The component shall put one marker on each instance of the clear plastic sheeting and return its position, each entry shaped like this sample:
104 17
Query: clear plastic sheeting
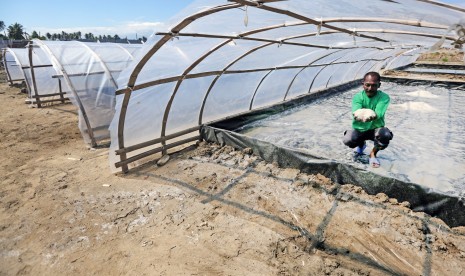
233 57
12 64
39 75
87 73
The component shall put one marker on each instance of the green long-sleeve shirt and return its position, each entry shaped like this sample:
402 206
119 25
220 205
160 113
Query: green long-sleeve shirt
378 103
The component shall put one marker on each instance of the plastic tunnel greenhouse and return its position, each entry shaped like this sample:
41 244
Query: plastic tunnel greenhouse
219 63
12 59
84 73
218 59
41 86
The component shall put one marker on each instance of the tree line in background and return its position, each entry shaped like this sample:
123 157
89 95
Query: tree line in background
16 31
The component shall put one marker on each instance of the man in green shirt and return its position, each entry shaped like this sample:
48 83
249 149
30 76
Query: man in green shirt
371 128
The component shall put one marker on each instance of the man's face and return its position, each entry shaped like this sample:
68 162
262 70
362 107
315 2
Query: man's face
370 85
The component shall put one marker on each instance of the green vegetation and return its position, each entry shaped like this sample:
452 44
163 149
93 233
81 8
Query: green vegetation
16 31
2 26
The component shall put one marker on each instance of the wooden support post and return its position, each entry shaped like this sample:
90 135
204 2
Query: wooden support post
34 83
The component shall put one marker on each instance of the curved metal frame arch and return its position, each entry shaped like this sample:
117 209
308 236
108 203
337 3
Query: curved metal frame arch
167 109
292 82
282 41
184 23
104 66
195 63
401 51
143 61
405 52
258 86
318 73
73 90
353 64
207 93
356 73
33 76
178 84
175 31
175 78
126 50
105 69
5 64
222 72
17 60
182 77
239 58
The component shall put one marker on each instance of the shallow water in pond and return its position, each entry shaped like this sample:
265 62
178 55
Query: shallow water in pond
428 125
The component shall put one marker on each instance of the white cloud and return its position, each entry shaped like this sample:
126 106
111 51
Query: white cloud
127 29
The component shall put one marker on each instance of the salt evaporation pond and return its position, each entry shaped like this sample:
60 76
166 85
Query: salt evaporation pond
428 125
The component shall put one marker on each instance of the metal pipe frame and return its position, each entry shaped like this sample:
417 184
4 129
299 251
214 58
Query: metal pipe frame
105 69
231 38
176 31
16 61
353 64
6 66
133 77
292 81
34 83
73 91
294 78
38 97
104 66
163 139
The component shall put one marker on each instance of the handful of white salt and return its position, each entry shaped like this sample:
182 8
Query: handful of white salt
364 115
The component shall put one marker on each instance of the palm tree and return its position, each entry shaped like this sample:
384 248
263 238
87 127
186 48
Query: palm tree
89 36
15 31
35 35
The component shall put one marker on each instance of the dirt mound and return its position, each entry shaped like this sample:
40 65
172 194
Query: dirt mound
443 56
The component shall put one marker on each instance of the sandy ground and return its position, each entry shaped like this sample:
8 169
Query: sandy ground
425 76
443 56
210 210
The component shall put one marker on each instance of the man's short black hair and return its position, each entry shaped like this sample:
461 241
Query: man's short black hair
373 75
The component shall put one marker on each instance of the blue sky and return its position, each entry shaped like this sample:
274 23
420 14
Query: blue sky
122 17
127 18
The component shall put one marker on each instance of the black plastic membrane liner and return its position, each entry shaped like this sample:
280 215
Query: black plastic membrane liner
424 164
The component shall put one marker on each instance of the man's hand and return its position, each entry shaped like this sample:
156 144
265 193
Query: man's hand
364 115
